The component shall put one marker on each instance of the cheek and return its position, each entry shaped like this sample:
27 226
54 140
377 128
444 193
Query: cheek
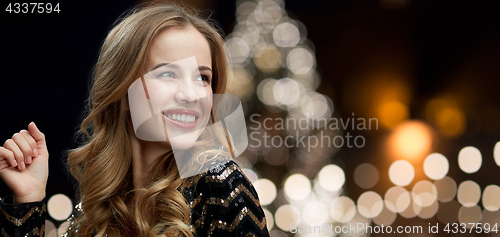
159 94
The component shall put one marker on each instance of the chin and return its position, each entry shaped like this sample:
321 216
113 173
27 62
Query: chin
183 142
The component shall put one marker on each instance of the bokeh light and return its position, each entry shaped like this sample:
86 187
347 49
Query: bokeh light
469 159
286 91
269 218
238 49
265 91
429 211
411 140
447 189
366 176
491 198
436 166
277 155
397 199
424 193
392 113
316 105
450 121
468 193
63 228
448 212
358 219
370 204
412 210
297 187
244 83
386 217
490 217
267 59
50 229
401 173
496 153
331 178
286 215
300 60
286 35
470 214
277 233
313 213
59 207
342 209
266 191
251 175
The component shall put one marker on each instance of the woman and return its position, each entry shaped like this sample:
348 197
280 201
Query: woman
129 181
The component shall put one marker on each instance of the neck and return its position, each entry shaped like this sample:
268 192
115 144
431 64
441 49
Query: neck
145 155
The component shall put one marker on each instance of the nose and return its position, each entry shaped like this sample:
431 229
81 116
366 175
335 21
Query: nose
186 92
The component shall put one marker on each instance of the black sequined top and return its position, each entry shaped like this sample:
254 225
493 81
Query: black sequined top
223 203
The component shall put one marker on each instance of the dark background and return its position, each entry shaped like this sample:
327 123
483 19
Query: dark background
446 47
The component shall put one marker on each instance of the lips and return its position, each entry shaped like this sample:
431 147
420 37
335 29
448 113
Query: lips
184 118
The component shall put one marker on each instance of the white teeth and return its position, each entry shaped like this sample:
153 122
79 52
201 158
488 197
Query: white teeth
182 118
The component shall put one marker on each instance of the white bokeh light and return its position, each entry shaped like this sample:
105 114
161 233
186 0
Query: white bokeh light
342 209
286 215
286 91
286 35
269 218
401 173
300 60
429 211
266 191
424 193
370 204
469 159
331 178
316 105
468 193
436 166
251 175
238 49
314 213
491 198
397 199
496 153
297 187
60 207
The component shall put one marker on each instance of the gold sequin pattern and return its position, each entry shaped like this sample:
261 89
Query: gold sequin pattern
36 232
244 212
20 221
232 196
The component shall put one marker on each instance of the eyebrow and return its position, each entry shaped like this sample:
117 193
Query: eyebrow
176 66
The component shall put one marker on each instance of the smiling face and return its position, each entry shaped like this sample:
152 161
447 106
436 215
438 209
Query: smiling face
171 101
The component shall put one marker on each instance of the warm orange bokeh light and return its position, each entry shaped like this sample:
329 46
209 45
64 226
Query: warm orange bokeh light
450 121
392 113
411 140
446 116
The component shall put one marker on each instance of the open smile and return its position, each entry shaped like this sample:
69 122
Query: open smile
183 118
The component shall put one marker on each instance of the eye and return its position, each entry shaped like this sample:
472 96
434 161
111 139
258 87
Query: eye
203 78
169 74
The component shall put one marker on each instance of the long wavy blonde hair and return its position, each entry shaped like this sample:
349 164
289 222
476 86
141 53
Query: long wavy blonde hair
102 165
